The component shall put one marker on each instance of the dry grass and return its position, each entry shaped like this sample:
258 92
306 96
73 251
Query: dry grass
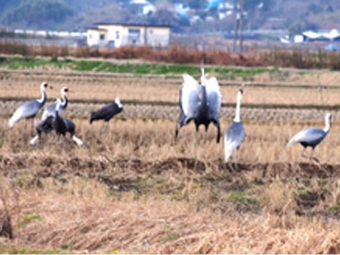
150 225
136 191
154 139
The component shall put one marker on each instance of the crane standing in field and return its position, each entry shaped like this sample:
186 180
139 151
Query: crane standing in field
203 110
311 137
29 109
59 124
234 135
107 112
50 110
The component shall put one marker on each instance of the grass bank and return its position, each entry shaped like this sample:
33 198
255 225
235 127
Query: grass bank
168 70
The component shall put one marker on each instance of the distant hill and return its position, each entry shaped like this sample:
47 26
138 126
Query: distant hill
75 15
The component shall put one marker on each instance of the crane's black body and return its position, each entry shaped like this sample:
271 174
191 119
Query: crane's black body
106 113
59 125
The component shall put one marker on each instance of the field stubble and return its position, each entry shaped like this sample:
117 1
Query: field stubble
137 191
160 90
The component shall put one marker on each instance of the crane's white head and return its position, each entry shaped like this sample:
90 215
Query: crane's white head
43 85
64 90
117 101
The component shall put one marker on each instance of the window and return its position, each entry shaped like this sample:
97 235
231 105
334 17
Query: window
134 35
102 36
117 35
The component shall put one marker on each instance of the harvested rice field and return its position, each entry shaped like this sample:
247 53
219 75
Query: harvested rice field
134 189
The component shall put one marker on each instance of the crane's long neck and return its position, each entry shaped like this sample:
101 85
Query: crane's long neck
238 108
204 97
65 102
57 107
327 124
42 100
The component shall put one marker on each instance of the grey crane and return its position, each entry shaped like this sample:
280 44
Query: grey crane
203 110
50 109
312 136
29 109
107 112
234 135
59 124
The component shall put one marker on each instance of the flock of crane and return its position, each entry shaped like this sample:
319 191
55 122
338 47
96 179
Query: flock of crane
200 102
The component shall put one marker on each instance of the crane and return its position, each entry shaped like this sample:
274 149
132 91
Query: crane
202 110
234 135
107 112
312 136
29 110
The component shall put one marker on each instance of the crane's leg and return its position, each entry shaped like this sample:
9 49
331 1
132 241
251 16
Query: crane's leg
303 152
32 126
206 133
102 128
236 158
313 158
196 143
177 131
180 123
217 124
64 141
108 128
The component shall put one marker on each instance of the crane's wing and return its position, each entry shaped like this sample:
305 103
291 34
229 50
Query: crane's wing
49 111
233 138
26 110
308 135
214 96
189 95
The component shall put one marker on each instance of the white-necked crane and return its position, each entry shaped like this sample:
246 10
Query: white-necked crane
107 112
29 109
202 110
50 109
312 136
234 135
59 124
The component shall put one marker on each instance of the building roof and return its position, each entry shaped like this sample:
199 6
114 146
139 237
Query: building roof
96 28
129 24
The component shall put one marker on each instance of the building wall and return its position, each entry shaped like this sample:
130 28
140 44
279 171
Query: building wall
158 36
96 37
114 35
119 35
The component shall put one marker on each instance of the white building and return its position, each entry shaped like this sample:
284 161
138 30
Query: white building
115 35
142 7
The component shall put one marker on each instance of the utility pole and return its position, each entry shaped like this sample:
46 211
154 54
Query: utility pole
241 24
236 10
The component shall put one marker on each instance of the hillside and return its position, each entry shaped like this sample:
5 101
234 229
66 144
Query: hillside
294 15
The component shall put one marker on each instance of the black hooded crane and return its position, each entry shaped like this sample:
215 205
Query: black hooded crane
61 125
203 110
107 112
